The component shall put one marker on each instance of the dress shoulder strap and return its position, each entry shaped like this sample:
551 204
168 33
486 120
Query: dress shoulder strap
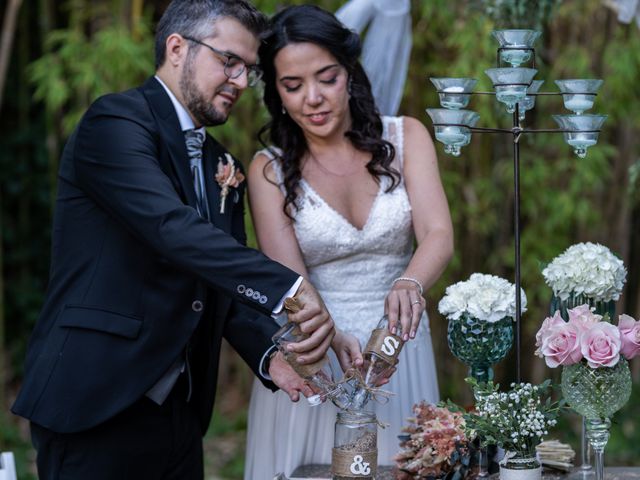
273 154
393 131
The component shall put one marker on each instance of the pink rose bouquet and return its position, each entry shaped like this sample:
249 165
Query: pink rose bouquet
586 337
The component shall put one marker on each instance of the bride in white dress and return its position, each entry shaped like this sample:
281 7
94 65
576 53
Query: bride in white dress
341 198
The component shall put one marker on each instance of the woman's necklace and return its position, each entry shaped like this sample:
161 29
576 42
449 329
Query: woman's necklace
335 174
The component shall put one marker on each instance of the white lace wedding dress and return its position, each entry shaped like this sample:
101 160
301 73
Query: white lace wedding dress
353 270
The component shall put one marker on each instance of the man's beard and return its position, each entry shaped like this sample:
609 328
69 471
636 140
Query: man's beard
204 112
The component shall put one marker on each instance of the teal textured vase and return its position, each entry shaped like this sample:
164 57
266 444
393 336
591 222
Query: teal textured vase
480 344
596 394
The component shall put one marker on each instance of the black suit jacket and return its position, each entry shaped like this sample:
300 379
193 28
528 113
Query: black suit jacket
137 275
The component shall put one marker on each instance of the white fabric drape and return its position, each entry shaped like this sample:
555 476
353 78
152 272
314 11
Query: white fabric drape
627 10
386 47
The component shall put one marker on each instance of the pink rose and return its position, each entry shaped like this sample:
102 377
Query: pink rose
630 336
546 326
600 345
583 317
561 345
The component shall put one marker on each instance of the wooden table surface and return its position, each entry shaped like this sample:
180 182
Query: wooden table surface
321 472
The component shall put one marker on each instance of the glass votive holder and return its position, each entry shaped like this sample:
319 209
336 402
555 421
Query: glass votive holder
454 93
584 130
511 84
452 127
516 45
579 94
529 100
355 446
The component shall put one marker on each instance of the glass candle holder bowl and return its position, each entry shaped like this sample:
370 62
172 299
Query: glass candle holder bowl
454 93
579 94
480 344
529 100
584 130
452 127
597 393
510 40
511 84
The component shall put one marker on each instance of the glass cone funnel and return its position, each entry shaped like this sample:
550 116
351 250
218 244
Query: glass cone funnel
511 84
452 127
454 92
510 40
530 100
585 129
579 94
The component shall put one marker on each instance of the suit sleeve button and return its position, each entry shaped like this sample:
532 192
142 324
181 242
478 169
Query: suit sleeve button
197 306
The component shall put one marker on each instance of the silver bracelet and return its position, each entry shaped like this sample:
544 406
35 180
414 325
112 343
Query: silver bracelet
409 279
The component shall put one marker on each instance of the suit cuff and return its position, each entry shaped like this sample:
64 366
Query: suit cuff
264 362
290 293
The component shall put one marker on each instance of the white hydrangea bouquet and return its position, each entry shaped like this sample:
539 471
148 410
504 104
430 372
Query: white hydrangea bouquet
483 297
586 270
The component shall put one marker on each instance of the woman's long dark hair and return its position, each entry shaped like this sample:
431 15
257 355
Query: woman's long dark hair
302 24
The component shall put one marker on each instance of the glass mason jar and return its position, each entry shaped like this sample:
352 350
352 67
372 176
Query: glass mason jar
355 446
520 467
480 344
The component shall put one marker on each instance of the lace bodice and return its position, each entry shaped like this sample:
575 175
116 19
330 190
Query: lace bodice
351 268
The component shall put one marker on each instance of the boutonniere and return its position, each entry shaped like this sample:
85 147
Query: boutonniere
227 176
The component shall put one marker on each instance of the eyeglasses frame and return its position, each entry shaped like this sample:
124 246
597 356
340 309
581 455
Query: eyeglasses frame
257 71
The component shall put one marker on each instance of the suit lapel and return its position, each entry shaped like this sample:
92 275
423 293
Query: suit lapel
171 134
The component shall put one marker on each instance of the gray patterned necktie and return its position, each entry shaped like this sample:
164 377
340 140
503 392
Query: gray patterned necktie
195 140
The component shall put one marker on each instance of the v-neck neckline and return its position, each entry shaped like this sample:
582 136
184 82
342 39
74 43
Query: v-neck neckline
372 208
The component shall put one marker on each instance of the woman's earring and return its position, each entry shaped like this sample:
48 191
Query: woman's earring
284 110
349 85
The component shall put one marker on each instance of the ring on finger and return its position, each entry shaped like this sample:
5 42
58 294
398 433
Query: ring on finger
416 302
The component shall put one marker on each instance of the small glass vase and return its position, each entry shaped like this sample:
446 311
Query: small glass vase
596 394
608 311
520 467
480 344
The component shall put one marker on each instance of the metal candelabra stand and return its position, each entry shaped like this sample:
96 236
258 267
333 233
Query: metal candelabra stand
514 86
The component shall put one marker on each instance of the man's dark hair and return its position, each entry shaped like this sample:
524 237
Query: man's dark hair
196 19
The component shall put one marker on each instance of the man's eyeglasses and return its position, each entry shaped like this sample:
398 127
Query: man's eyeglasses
234 66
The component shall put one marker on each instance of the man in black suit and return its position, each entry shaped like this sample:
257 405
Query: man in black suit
149 269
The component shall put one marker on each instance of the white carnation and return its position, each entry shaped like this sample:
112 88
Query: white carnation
587 269
484 297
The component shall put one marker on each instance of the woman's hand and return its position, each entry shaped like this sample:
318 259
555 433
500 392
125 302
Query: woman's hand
404 305
347 349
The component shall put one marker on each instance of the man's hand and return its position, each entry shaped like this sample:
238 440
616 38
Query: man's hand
313 320
286 379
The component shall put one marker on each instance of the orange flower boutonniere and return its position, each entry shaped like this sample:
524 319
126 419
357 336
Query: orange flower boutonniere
227 176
